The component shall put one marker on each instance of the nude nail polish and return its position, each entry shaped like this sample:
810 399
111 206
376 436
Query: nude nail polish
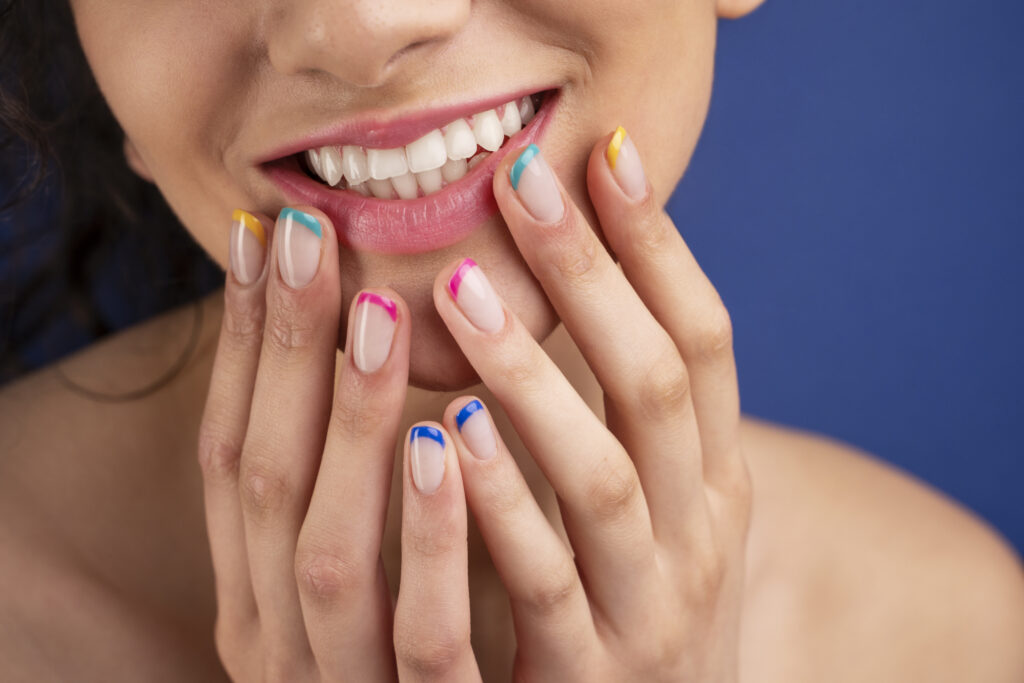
299 249
375 322
476 431
426 458
624 162
476 298
248 247
534 182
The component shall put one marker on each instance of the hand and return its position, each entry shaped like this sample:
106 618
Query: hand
656 505
297 474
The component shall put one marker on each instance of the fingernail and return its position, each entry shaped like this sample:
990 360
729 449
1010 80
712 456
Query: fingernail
376 319
426 456
299 253
624 161
534 182
248 247
476 298
476 430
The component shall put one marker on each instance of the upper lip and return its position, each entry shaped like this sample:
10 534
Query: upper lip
382 130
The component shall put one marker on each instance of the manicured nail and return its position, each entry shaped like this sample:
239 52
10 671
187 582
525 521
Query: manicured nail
248 247
299 253
476 298
476 430
376 319
624 161
426 456
533 180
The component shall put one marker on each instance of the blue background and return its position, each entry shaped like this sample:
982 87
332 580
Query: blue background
858 199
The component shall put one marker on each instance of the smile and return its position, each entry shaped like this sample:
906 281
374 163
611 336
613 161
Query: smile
428 193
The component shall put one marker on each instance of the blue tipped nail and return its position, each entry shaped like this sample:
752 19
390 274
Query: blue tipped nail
466 412
305 219
521 163
426 432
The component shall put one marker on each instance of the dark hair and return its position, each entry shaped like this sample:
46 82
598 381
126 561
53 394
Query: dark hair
86 246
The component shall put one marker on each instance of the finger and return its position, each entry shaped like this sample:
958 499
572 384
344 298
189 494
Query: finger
291 404
602 503
345 598
554 626
633 357
226 415
432 613
668 278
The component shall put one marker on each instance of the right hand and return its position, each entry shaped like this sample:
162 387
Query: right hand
297 472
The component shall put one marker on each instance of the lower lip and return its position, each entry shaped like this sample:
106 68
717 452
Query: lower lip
396 226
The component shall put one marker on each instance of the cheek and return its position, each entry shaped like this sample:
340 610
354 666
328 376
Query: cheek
167 69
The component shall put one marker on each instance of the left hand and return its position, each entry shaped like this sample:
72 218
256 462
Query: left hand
656 504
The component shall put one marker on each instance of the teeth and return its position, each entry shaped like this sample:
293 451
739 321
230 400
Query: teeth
526 110
386 163
454 169
426 165
459 140
381 189
487 130
330 165
427 153
511 123
313 159
478 158
354 164
433 180
405 186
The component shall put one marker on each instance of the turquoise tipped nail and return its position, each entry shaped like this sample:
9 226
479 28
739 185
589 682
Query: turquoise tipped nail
521 163
304 219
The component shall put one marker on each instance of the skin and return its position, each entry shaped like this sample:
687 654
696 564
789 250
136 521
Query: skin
705 547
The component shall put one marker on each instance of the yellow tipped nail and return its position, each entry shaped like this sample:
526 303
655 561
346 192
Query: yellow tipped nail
612 153
251 223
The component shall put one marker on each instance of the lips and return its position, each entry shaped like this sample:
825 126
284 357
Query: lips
361 187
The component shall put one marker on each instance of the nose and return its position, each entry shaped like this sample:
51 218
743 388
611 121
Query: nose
358 41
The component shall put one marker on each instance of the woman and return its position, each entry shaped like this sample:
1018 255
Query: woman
452 177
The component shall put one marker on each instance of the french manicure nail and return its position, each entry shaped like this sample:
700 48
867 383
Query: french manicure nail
534 182
624 161
299 252
248 247
426 457
476 298
376 319
476 430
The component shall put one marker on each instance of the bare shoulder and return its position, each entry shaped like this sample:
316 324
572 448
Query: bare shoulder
86 538
863 573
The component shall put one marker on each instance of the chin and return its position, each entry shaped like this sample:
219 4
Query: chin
437 363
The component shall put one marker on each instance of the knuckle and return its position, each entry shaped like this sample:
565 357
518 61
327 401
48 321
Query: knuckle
358 415
614 493
243 317
218 457
651 235
664 392
708 575
552 591
441 537
325 576
574 254
429 653
289 328
264 490
230 643
714 339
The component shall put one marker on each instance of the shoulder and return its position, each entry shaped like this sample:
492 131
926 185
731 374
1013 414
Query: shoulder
871 575
83 498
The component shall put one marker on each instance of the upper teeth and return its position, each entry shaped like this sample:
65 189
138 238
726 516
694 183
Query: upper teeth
424 165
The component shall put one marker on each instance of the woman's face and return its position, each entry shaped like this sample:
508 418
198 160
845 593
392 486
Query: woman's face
219 101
